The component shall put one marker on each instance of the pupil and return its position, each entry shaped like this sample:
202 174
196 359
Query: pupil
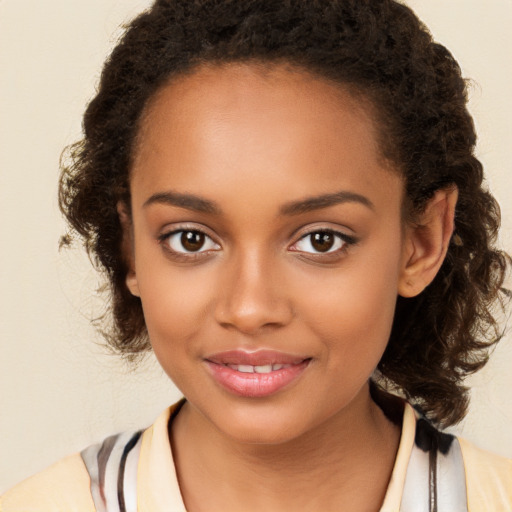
192 240
322 241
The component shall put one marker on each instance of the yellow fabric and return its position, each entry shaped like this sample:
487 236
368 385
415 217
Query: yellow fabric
488 479
157 486
396 483
65 485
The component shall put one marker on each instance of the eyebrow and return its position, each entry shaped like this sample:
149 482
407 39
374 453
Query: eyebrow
202 205
188 201
325 201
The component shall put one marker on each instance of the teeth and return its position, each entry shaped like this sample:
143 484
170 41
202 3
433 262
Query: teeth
280 366
266 368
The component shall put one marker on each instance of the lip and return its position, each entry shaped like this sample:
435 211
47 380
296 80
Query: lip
255 385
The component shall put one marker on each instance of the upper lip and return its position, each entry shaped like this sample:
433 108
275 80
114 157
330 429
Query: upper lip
256 358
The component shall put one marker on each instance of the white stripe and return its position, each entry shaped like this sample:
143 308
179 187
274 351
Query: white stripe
112 472
90 458
451 480
415 497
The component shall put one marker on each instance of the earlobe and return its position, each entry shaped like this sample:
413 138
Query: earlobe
132 284
127 247
426 243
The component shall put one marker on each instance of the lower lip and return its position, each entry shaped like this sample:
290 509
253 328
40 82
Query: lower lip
256 385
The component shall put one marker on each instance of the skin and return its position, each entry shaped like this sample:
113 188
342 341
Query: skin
252 141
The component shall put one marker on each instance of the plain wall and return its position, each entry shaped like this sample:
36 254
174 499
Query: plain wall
59 389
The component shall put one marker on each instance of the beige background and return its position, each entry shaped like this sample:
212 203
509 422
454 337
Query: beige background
59 390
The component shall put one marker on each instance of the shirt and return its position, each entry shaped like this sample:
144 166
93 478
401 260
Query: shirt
469 478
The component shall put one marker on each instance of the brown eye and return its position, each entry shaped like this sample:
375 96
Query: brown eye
192 241
322 241
187 241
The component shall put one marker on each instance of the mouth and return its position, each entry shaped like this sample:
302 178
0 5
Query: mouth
262 368
255 374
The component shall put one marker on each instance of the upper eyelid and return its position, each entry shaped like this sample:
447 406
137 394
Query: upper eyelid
342 236
171 230
300 234
333 226
323 230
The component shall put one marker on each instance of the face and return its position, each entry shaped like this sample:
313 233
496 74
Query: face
268 247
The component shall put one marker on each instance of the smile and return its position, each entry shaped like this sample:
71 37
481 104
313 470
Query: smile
264 368
257 374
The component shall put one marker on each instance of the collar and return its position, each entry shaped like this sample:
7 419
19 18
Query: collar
158 489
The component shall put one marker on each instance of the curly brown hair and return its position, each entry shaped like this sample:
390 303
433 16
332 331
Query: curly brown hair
380 49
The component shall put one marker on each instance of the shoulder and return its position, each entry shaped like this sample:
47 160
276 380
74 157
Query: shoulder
102 472
488 478
64 486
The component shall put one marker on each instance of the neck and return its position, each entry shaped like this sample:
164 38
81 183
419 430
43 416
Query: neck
346 460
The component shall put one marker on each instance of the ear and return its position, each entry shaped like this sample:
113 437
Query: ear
127 247
426 242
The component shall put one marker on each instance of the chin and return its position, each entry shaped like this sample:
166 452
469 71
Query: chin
275 434
262 424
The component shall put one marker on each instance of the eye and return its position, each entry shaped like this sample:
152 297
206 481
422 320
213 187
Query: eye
322 242
190 241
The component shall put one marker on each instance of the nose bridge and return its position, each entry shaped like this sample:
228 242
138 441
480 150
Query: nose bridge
251 296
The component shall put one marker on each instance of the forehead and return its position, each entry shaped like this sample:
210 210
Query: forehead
260 127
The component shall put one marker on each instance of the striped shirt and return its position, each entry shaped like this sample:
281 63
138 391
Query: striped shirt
129 472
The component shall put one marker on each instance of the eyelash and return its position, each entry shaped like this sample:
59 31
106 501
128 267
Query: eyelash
346 242
165 242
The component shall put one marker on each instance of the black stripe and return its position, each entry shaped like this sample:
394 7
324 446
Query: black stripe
432 478
120 476
430 440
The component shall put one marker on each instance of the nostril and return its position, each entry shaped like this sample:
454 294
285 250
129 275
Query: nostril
252 316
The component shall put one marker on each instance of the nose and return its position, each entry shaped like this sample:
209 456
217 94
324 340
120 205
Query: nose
252 296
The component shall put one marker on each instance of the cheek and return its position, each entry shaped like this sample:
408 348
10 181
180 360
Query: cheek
352 308
176 304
